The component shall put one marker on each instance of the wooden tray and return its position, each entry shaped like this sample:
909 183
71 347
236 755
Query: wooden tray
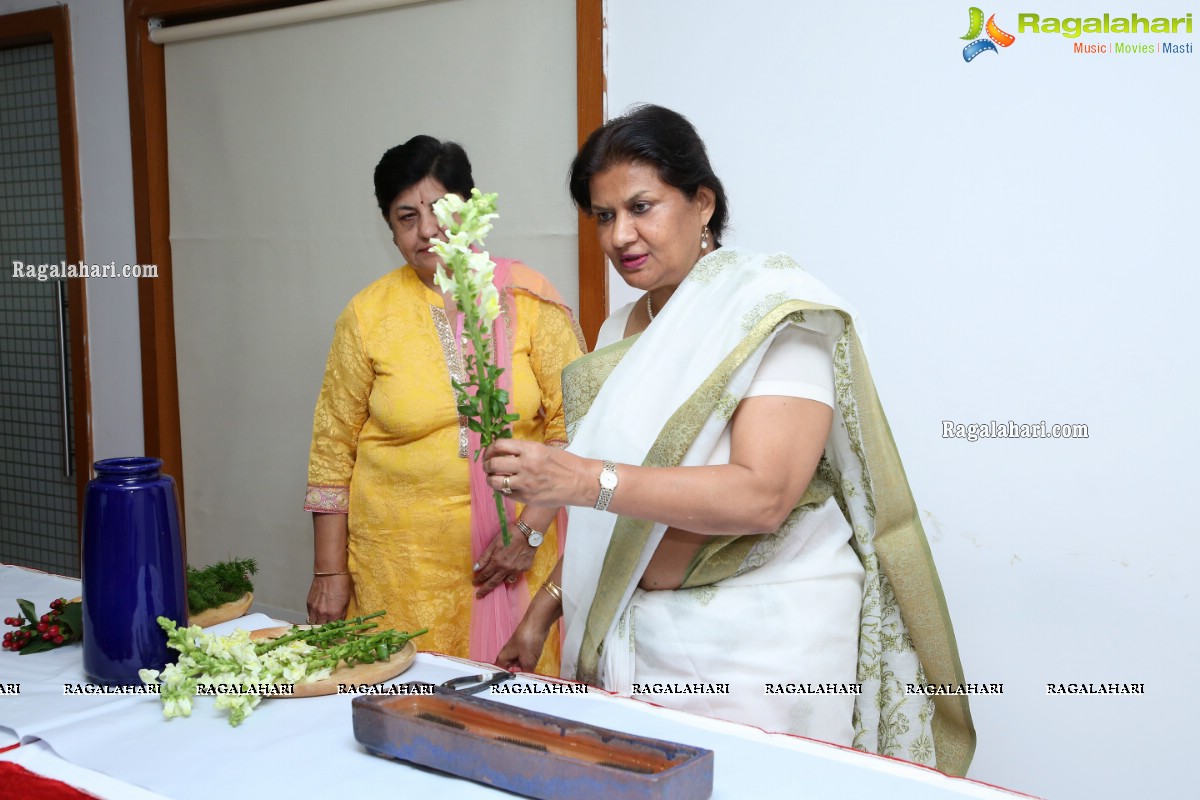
223 613
527 752
378 672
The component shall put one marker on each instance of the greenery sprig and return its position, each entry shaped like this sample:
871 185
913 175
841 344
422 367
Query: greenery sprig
220 583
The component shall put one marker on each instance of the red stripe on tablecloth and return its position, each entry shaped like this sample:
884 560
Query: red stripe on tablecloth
18 783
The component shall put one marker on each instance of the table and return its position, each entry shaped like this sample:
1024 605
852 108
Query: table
307 748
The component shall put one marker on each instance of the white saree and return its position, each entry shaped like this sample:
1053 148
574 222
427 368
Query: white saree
765 614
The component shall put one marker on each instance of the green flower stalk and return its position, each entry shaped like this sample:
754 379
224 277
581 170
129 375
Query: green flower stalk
467 279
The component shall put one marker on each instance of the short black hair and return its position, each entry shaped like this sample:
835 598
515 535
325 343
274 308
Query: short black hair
418 158
653 135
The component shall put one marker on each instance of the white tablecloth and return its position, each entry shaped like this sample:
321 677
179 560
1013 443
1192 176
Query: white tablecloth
308 744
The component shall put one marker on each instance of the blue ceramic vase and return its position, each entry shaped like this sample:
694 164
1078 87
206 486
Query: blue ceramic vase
133 569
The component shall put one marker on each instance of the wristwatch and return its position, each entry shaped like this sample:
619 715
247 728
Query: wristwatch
533 537
608 483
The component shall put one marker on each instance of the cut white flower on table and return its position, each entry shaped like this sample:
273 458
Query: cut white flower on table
240 671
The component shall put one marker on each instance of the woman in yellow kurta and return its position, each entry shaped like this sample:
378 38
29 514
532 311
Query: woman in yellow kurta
389 468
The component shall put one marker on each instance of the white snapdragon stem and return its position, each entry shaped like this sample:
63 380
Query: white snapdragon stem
467 278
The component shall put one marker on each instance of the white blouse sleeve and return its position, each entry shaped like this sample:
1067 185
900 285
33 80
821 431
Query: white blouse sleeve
797 364
613 328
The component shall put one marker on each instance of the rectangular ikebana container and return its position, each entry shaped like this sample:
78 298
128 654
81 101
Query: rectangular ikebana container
527 752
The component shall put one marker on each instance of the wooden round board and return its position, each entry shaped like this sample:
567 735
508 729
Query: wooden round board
223 613
378 672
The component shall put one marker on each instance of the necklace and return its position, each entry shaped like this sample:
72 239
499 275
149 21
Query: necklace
649 308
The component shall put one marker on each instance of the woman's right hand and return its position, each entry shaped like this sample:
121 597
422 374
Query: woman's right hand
539 475
329 595
523 649
328 598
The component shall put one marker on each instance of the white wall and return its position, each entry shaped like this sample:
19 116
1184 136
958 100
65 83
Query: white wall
106 182
1018 236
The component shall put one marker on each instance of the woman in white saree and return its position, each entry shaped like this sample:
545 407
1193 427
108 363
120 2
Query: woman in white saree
743 543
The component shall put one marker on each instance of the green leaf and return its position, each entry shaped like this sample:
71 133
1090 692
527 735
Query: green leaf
72 617
28 610
474 425
511 417
37 646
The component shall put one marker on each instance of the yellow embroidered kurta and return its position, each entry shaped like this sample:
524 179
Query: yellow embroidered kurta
388 449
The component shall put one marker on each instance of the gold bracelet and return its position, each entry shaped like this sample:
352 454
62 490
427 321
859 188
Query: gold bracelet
554 590
327 574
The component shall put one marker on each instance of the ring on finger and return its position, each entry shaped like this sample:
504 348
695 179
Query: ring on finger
507 487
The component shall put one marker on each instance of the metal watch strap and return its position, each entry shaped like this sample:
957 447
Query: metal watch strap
606 492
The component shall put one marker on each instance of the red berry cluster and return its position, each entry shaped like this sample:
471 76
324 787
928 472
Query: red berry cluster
50 630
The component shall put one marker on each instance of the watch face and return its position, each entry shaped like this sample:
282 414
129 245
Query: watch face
535 539
608 480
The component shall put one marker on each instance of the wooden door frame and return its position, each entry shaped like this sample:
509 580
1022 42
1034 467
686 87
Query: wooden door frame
52 26
148 128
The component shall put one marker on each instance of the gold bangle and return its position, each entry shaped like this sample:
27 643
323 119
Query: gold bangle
327 574
554 590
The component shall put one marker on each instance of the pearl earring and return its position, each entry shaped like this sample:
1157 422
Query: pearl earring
704 238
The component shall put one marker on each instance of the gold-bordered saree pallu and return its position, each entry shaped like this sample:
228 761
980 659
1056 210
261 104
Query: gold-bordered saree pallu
663 398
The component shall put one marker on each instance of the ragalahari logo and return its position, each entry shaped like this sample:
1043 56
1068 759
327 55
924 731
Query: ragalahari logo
995 36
